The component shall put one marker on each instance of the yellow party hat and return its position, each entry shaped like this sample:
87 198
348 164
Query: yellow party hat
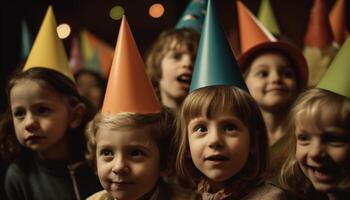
48 50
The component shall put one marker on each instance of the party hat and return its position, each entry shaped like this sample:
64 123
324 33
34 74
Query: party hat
27 40
48 50
336 79
193 16
128 88
252 32
215 62
75 60
256 38
337 20
319 33
267 17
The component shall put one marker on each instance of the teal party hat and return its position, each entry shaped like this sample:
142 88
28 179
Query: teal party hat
215 62
193 16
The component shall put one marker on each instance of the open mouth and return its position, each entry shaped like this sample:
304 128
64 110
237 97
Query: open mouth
324 173
184 78
217 158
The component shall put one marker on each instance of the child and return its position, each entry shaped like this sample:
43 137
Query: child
170 62
275 73
91 85
129 140
318 166
43 132
221 134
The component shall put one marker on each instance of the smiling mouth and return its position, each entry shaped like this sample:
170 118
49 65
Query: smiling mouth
324 173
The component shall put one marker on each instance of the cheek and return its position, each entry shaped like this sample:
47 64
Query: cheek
300 153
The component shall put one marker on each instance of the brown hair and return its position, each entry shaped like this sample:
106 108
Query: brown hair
183 37
214 99
160 126
311 104
10 147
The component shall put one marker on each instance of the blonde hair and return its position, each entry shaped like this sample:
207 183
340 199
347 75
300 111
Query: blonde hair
215 99
160 126
311 105
183 37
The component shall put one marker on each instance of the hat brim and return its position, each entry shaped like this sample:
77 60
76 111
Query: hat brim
294 53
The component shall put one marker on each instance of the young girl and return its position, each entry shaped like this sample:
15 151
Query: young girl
170 63
319 163
223 145
43 133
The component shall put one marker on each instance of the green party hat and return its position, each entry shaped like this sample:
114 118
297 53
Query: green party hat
193 16
215 63
267 17
336 79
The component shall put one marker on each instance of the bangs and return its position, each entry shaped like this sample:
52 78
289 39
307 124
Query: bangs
316 109
206 102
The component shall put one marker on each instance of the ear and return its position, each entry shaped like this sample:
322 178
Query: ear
76 116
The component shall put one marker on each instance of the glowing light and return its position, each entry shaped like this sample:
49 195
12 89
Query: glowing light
116 12
156 10
63 31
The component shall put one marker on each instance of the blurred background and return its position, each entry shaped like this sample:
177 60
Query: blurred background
96 18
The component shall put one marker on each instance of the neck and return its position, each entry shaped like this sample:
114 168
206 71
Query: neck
274 125
170 102
58 152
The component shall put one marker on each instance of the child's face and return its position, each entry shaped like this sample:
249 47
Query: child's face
89 87
40 118
128 162
323 152
176 66
271 81
219 146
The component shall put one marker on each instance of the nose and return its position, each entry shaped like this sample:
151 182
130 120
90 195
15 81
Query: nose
187 61
317 150
120 166
31 123
215 140
276 77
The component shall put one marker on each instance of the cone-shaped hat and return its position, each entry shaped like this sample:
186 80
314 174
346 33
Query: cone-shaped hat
336 79
215 62
193 16
256 38
267 17
319 33
251 31
48 50
27 40
338 21
128 88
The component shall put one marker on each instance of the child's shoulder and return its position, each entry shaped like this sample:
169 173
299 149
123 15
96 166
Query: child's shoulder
175 192
101 195
266 191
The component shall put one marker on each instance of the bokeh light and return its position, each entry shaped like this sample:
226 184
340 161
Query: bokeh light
63 31
156 10
116 12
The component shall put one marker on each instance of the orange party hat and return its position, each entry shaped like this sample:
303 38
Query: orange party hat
319 33
252 32
128 89
338 20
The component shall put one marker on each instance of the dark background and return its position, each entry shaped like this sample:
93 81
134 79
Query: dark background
292 17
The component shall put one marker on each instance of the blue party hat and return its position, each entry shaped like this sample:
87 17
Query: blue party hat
215 63
193 16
